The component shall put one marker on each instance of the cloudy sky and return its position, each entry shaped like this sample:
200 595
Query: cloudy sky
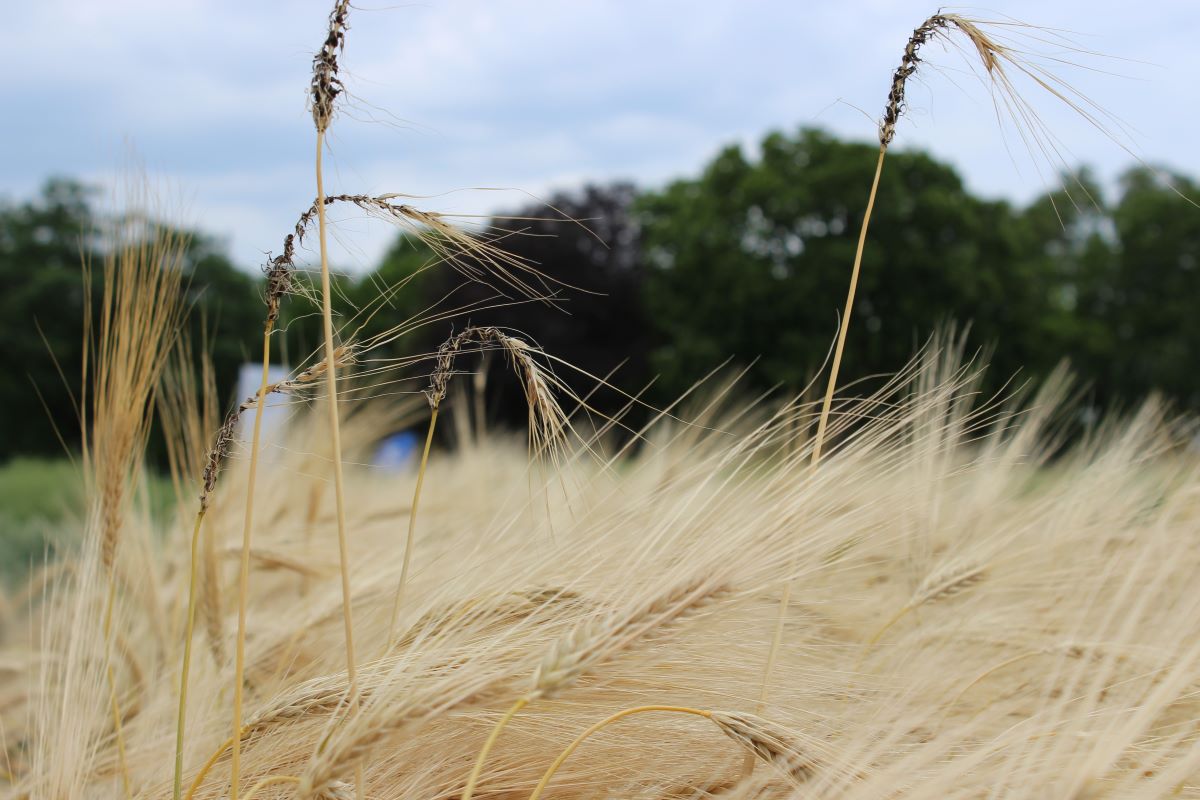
530 96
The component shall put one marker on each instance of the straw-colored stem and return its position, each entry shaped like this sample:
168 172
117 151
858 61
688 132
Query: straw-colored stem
177 787
819 440
412 526
113 702
208 765
469 791
336 442
239 663
566 753
270 780
831 387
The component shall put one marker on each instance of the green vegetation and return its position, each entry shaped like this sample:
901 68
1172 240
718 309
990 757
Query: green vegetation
42 508
41 500
745 260
43 295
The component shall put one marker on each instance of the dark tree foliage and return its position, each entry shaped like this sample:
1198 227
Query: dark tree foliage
587 247
1151 292
42 294
748 260
227 312
752 258
43 246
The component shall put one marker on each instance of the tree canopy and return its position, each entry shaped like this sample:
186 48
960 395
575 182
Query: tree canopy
748 261
44 243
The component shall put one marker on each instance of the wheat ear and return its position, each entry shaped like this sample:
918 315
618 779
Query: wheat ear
767 741
582 649
547 420
139 316
940 585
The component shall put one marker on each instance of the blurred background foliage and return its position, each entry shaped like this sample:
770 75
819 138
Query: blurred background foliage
747 261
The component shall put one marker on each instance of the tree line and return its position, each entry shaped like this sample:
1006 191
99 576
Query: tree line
745 262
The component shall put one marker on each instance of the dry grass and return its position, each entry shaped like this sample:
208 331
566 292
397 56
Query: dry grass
1070 666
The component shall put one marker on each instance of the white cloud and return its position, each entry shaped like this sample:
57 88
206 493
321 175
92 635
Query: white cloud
528 94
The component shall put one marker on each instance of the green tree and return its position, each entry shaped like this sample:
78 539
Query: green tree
43 245
585 246
751 260
1154 288
1070 241
42 297
226 310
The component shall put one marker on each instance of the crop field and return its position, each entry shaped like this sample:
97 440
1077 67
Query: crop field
908 586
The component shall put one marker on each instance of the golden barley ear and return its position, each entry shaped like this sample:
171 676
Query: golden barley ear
475 255
1013 59
768 742
128 336
548 422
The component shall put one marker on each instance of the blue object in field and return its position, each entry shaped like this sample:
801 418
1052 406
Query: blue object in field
396 451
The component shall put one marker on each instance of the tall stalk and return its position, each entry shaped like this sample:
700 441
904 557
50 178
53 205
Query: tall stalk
887 132
325 87
996 58
334 425
412 525
244 570
185 669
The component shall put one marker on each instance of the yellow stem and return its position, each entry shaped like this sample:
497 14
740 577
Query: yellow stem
565 754
244 573
270 781
208 765
823 421
336 442
487 746
819 439
412 527
177 788
113 702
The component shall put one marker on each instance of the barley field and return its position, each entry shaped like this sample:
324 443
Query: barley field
908 587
